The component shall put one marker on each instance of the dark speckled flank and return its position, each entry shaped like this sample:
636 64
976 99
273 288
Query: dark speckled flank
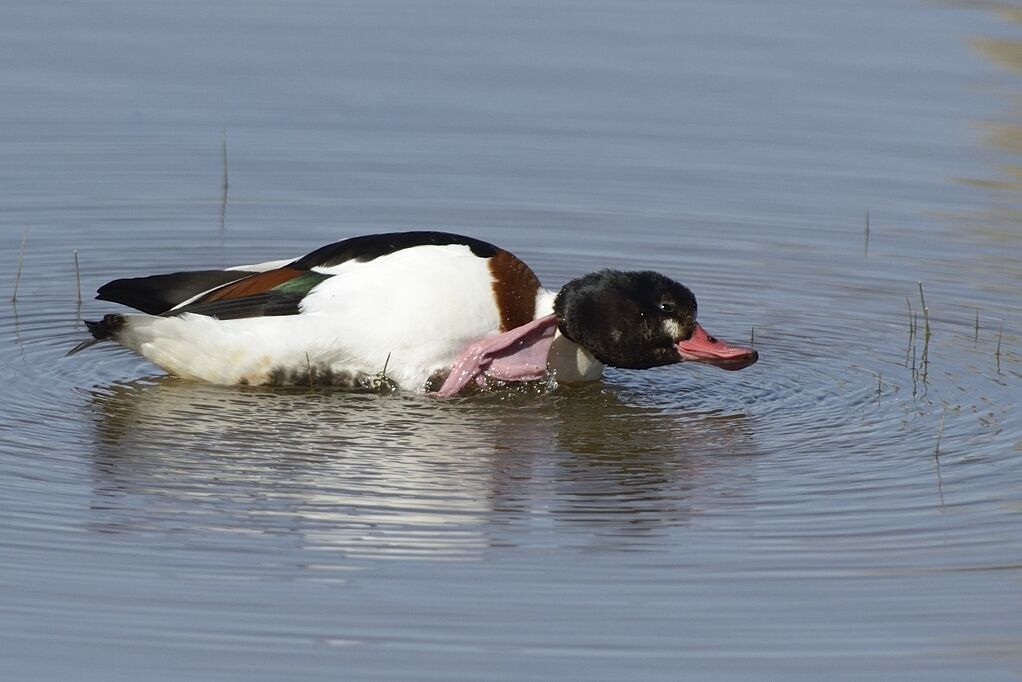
322 376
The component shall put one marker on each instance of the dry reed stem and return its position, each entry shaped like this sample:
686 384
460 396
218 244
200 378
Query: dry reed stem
21 264
78 279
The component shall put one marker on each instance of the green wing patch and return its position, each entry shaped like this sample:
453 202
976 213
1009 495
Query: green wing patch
302 284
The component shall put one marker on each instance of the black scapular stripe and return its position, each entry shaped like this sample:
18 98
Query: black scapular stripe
372 246
157 294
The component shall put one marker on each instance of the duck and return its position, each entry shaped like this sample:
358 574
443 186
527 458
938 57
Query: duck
427 311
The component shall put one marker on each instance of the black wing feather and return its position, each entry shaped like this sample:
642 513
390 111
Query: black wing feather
157 294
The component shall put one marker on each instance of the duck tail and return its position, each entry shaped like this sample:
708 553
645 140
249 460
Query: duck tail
100 330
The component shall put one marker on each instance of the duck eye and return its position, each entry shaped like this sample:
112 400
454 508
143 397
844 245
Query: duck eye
666 307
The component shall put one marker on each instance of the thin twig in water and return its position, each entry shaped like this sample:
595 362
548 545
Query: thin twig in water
915 374
926 313
21 263
918 368
936 459
380 381
924 362
752 337
226 185
911 331
78 279
940 432
997 351
975 339
865 251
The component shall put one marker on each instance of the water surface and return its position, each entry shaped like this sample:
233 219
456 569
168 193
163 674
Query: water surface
849 508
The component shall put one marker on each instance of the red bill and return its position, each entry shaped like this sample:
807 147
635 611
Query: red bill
701 347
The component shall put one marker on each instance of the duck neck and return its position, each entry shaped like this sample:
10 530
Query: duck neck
570 362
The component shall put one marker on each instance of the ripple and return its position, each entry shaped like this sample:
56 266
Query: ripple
844 421
838 459
842 509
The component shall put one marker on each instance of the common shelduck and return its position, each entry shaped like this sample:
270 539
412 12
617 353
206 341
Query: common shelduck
427 311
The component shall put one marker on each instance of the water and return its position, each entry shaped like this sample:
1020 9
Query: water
848 508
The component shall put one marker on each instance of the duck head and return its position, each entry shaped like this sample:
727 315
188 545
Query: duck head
637 320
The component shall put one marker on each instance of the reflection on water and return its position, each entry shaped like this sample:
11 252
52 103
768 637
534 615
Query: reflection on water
1001 220
402 475
1006 135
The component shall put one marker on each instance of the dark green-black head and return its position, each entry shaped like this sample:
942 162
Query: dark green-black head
637 320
